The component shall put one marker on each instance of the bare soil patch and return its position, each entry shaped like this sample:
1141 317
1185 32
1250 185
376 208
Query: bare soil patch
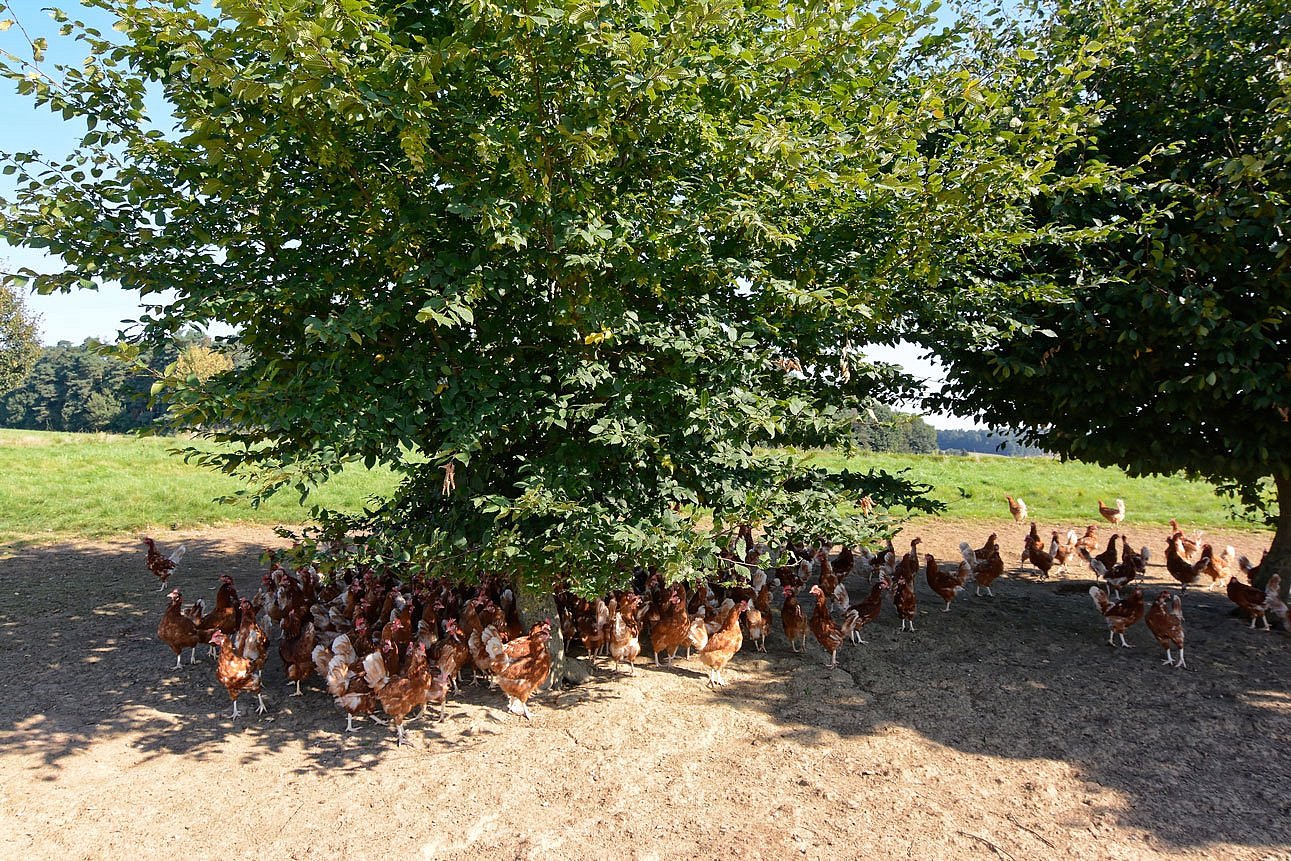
1005 729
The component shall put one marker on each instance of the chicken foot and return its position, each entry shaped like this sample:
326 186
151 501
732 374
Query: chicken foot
523 711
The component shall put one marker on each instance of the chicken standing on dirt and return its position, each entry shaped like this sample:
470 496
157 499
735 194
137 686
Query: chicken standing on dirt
1112 515
868 609
178 630
905 600
670 626
401 692
1118 577
343 672
224 617
1017 508
794 620
159 564
521 666
986 568
1251 600
625 642
723 644
296 648
1187 573
236 672
1189 546
453 652
1041 559
947 586
759 623
826 631
1119 615
1109 556
1165 621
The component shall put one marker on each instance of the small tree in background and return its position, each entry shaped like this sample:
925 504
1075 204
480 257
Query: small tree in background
19 339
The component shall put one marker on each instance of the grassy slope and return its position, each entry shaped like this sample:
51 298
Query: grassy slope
55 484
974 487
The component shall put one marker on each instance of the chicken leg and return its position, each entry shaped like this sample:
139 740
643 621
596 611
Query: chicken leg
261 708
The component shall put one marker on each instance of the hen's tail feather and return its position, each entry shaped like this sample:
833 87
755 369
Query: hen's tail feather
1100 600
374 670
178 554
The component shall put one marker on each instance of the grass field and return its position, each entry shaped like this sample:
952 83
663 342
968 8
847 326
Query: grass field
56 485
973 487
62 484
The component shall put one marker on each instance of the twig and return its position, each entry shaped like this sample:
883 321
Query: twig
998 851
1035 834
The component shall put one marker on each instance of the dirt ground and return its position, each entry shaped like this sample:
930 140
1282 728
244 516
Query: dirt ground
1006 728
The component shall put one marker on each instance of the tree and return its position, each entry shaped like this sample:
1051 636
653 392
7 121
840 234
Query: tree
573 268
1165 345
19 339
88 387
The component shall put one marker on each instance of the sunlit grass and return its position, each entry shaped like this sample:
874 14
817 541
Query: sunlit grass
973 486
56 485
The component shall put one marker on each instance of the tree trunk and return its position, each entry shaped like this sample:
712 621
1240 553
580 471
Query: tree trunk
535 605
1279 559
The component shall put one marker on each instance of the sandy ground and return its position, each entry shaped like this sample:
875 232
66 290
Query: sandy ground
1006 728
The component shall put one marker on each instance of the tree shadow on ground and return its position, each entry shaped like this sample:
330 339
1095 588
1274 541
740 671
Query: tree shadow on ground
1022 677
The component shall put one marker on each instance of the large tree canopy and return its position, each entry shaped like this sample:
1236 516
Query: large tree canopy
1167 345
573 267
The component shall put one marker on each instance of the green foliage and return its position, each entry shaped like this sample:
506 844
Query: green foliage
89 387
19 339
880 428
1166 344
568 270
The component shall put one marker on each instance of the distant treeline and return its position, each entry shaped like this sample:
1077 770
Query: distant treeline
879 428
985 442
75 387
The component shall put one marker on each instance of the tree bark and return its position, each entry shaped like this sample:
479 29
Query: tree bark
1279 559
536 604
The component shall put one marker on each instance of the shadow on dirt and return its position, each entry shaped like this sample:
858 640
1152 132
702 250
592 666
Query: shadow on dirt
1023 676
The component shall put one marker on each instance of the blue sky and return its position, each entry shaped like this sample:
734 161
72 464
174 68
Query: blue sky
84 314
102 313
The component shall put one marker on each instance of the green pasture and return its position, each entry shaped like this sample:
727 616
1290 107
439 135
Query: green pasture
93 485
973 487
